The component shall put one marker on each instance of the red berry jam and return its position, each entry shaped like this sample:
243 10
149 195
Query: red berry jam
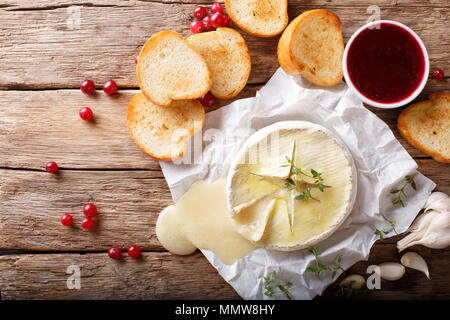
51 167
66 220
208 100
387 64
110 87
87 223
89 210
438 74
196 26
200 12
87 86
134 251
114 253
86 113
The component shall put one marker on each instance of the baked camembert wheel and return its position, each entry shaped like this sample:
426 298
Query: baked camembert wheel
291 185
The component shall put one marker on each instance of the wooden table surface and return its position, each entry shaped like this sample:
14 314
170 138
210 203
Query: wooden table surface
45 53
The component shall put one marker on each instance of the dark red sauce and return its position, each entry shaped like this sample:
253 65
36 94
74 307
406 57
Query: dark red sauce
387 64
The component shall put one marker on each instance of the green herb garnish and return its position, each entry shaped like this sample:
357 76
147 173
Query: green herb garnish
321 268
273 286
348 291
401 192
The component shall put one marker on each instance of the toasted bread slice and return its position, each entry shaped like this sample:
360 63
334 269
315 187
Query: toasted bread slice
169 69
228 58
162 132
312 46
426 125
260 18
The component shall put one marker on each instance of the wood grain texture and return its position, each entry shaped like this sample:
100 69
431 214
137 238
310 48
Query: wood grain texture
42 49
128 202
155 275
165 276
39 126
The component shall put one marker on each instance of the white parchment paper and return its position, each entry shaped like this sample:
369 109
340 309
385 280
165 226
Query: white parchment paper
382 163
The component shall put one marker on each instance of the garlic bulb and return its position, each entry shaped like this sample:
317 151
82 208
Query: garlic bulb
357 281
437 201
391 271
432 228
415 261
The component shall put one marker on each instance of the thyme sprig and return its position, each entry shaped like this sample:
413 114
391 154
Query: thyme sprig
321 268
273 286
348 290
388 229
401 192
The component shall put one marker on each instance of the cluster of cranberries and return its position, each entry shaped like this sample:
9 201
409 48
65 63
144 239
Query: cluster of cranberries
133 251
89 210
88 87
209 22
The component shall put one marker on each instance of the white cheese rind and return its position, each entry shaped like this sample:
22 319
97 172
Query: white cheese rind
236 176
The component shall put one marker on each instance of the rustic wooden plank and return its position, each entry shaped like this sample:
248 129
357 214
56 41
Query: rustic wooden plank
41 49
165 276
39 126
128 202
153 276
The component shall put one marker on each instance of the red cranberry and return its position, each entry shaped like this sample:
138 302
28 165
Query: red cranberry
134 251
438 74
89 210
208 100
87 86
217 20
225 20
66 220
86 113
136 58
196 26
87 223
207 23
110 87
114 253
216 7
200 12
51 167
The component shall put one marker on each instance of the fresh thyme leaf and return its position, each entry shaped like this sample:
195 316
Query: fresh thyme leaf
321 268
271 281
379 233
409 180
300 197
320 185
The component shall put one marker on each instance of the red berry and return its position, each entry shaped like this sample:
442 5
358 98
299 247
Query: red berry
207 23
86 113
196 26
134 251
226 20
217 20
200 12
110 87
136 58
216 7
89 210
66 220
208 100
114 253
438 74
51 167
87 86
87 223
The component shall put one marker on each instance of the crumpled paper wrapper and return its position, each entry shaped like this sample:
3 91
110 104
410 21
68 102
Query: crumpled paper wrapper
381 162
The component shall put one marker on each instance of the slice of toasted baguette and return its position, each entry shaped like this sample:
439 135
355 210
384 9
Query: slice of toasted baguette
169 69
312 46
426 125
260 18
228 58
162 132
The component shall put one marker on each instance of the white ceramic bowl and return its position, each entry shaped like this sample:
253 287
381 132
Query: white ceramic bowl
365 99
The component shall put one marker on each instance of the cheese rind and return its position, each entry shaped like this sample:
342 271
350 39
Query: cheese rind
291 224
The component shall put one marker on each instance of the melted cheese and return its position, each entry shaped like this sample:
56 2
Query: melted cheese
288 223
200 219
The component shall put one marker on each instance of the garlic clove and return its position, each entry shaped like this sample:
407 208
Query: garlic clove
438 201
415 261
391 271
358 281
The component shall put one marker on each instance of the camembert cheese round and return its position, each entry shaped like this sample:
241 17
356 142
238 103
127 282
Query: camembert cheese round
291 185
